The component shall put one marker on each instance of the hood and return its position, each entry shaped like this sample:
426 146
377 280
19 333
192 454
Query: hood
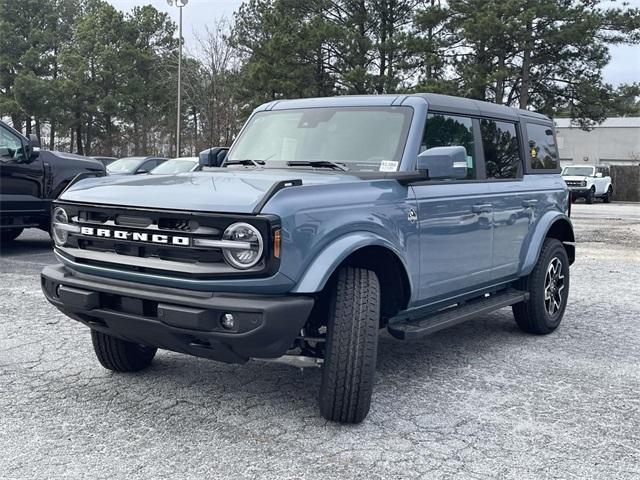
54 156
217 190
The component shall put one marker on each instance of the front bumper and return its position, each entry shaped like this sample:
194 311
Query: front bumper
579 191
180 320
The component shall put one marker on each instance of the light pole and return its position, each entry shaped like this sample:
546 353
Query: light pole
179 4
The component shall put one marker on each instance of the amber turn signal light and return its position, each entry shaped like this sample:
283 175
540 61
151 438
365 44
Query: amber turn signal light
276 243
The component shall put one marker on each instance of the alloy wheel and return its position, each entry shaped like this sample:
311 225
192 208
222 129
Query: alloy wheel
553 287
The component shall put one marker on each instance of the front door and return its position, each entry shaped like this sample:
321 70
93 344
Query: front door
19 175
454 217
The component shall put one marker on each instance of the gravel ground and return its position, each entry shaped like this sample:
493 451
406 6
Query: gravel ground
481 400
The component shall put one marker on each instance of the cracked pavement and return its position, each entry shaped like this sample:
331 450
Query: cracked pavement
480 400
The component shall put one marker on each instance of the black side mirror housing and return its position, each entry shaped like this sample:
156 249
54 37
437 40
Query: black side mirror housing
30 150
213 157
444 162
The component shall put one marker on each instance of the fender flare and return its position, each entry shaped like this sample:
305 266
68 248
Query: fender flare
321 268
545 224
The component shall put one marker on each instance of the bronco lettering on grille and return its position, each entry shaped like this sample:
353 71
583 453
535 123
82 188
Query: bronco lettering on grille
136 236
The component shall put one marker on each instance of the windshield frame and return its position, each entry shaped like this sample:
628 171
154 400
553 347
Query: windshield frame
403 139
592 174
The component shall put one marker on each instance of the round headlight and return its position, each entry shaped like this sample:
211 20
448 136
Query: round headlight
249 250
60 235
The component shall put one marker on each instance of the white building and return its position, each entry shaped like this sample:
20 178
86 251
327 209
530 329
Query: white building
616 141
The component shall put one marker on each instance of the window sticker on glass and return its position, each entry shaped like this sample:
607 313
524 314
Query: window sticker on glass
388 166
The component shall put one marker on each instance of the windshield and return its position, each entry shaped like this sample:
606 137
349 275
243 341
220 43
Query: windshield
175 165
124 165
360 138
578 171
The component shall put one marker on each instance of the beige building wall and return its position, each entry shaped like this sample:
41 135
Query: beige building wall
614 142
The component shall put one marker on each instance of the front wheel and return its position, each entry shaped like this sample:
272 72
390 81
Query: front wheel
591 195
119 355
352 342
548 287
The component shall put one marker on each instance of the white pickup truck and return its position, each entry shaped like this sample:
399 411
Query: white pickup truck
590 182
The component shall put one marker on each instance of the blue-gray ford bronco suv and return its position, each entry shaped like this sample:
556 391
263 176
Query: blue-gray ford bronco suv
327 220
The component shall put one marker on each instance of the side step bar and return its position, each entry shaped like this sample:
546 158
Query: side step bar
407 328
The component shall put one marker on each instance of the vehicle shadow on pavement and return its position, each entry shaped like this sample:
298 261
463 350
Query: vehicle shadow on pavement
191 386
30 245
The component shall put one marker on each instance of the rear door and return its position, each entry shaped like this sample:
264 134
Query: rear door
454 216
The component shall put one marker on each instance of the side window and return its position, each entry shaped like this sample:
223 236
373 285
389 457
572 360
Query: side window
501 149
147 166
10 144
543 151
450 130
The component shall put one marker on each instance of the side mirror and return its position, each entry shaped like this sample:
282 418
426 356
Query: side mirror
444 162
598 174
32 149
141 171
213 157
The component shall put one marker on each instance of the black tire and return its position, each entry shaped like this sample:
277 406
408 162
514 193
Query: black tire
536 315
608 195
10 234
591 196
348 371
119 355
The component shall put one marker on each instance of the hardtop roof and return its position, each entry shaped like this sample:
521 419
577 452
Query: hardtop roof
436 102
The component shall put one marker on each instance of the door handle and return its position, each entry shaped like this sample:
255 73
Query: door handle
481 207
529 203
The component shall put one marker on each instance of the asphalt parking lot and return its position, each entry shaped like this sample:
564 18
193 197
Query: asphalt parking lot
481 400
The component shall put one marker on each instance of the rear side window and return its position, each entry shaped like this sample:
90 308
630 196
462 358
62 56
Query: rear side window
451 130
543 151
501 149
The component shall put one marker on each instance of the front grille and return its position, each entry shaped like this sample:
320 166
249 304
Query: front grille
172 258
573 183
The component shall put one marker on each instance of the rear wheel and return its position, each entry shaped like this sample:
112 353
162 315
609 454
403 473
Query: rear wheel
608 195
119 355
548 287
10 234
352 342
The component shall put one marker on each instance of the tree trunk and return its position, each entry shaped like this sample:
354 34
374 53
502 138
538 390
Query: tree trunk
17 122
52 135
526 66
88 138
195 127
38 128
79 147
28 126
500 78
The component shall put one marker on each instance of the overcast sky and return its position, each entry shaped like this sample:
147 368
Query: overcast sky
624 66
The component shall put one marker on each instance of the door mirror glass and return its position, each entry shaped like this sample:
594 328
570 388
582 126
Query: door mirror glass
444 163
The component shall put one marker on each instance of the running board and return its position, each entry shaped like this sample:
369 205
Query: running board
406 328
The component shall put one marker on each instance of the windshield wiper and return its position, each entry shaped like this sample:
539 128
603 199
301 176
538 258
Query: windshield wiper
246 161
318 164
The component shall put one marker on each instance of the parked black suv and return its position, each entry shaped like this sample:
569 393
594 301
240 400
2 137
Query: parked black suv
30 179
